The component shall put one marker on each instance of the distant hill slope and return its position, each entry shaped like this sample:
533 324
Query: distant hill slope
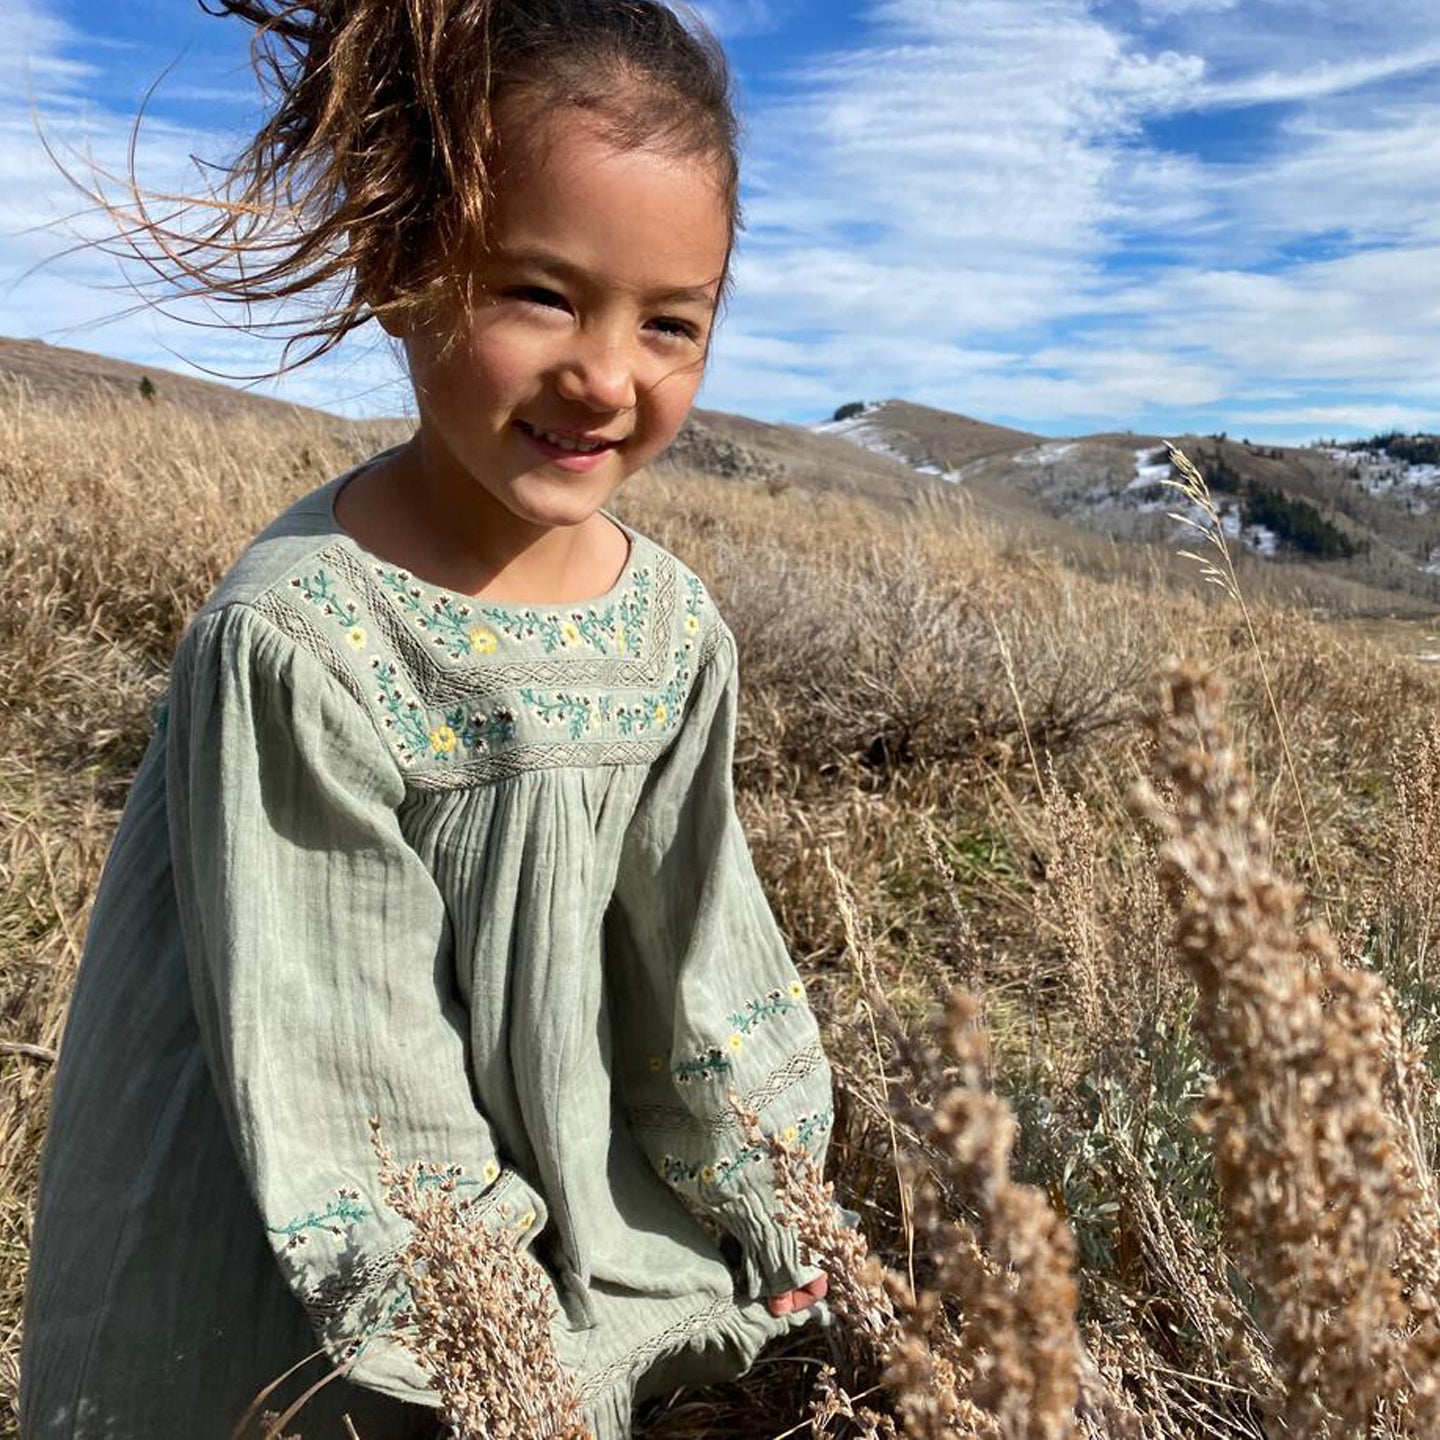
1350 529
57 372
932 442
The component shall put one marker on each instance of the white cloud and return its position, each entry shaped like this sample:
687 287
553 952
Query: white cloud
977 176
730 19
963 205
57 284
1152 10
1324 80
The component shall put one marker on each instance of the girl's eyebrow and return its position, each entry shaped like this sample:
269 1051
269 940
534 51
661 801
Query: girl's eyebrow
563 270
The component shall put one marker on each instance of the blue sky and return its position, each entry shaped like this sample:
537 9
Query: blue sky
1066 215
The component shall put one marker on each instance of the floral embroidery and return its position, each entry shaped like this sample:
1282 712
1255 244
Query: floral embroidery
704 1066
723 1169
774 1003
452 623
652 712
578 712
395 1316
319 590
452 1176
345 1207
713 1060
417 732
442 732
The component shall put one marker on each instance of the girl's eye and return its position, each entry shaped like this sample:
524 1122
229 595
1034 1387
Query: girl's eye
676 329
538 295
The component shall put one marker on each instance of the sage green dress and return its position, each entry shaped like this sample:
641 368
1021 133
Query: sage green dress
472 868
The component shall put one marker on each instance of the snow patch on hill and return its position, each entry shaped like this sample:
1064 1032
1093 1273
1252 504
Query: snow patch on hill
1382 475
862 431
1046 455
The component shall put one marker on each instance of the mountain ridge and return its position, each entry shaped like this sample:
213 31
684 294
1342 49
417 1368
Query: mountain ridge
1351 521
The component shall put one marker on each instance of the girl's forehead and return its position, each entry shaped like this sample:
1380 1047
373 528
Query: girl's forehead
642 215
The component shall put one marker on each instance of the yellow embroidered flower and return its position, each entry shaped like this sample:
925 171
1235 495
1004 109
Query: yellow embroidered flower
660 1166
526 1220
443 740
692 624
355 635
619 639
657 1064
660 712
491 1173
797 990
707 1174
569 632
789 1133
736 1041
483 641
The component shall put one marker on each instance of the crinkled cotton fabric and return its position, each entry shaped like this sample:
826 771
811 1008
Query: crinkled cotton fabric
474 869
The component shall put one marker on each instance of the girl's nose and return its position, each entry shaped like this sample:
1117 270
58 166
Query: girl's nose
599 374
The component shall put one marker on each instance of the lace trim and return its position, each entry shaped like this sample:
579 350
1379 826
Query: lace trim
640 1358
298 627
490 768
802 1063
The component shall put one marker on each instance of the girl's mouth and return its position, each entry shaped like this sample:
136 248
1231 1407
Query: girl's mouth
564 450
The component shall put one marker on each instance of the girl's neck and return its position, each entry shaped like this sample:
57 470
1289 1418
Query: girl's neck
389 510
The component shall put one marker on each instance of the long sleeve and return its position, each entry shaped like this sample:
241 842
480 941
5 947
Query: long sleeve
318 950
711 997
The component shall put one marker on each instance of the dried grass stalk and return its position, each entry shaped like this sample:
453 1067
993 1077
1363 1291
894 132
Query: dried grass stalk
1010 1368
479 1318
1322 1192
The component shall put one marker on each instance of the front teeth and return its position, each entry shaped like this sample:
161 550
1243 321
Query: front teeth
565 443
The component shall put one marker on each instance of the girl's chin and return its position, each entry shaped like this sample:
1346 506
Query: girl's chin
537 497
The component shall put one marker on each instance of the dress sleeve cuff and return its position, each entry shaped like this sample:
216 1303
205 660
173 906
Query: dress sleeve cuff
766 1254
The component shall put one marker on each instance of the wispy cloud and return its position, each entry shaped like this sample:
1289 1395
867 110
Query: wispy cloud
1063 214
57 281
987 177
732 19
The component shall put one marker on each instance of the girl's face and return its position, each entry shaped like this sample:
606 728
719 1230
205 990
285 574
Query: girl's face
588 340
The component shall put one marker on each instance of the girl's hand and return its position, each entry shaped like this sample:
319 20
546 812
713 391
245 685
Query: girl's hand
790 1300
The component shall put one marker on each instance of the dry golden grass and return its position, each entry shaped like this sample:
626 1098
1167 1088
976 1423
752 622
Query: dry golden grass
960 737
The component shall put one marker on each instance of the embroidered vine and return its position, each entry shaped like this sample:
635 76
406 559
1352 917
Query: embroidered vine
775 1002
577 712
345 1207
722 1170
456 627
715 1059
393 1317
319 590
419 732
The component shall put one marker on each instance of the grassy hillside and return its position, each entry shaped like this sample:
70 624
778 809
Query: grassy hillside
942 717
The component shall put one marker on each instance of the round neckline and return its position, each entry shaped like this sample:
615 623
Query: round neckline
332 489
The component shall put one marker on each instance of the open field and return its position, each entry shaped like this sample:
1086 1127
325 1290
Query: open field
908 669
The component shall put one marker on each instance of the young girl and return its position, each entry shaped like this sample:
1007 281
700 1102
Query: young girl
438 823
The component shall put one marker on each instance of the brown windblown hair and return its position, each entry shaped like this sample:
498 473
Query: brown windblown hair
371 182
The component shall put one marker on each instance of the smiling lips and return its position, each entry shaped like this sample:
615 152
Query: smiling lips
575 444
